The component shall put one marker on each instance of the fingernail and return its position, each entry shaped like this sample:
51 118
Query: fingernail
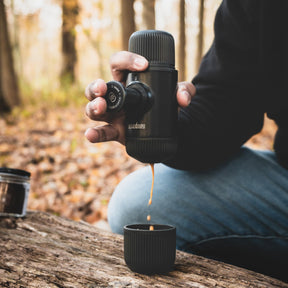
92 135
86 133
94 88
140 62
186 96
93 106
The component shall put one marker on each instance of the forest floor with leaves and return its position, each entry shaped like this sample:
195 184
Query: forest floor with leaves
71 177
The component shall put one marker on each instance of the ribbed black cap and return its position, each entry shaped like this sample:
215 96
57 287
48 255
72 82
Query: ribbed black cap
155 45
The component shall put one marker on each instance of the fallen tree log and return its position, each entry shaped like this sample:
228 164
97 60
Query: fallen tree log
43 250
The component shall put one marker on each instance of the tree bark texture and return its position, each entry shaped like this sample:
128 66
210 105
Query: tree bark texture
70 11
42 250
9 93
127 21
200 40
148 14
182 42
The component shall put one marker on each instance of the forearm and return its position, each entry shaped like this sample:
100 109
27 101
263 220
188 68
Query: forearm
225 111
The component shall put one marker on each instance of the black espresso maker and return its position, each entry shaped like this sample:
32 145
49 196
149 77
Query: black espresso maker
149 99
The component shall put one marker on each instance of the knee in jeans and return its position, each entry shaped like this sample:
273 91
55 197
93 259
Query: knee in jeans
125 207
113 217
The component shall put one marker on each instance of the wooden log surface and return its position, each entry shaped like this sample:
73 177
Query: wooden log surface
43 250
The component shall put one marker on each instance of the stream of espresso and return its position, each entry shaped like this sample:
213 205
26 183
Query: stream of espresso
151 195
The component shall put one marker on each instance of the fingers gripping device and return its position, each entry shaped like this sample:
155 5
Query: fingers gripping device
149 99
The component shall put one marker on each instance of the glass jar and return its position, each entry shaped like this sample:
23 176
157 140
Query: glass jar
14 191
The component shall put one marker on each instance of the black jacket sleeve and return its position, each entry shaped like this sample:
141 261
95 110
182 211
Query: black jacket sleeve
224 114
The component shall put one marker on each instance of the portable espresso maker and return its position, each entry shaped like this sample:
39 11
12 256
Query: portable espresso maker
149 98
150 106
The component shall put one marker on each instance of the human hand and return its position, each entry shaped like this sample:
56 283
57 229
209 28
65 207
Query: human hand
121 64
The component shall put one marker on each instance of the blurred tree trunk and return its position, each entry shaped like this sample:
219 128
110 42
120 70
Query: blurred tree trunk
70 11
200 35
127 21
148 14
9 93
182 43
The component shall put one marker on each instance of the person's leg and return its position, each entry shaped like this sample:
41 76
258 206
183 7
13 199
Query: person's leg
237 213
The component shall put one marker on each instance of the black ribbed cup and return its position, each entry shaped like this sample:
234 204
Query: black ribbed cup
150 251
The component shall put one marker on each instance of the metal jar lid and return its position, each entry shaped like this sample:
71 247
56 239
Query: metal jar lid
15 172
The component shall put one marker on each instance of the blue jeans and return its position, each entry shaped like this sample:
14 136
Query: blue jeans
237 213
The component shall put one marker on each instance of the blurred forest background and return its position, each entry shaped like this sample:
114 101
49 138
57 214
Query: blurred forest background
49 51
